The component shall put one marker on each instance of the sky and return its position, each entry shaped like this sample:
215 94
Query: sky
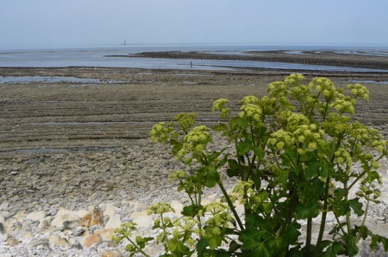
28 24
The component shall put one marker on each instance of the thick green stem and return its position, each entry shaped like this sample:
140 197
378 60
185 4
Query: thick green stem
308 236
231 206
323 218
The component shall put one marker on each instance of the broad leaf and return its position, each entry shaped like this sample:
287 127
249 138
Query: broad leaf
191 210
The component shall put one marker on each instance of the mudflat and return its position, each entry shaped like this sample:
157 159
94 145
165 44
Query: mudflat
126 103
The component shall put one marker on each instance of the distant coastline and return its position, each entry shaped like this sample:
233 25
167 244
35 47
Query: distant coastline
359 59
206 57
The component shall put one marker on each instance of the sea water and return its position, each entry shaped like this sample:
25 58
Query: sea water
101 57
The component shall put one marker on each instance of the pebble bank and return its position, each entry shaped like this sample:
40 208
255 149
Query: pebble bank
68 203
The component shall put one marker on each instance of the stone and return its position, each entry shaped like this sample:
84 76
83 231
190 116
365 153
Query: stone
3 238
52 212
11 241
92 229
4 206
35 216
114 221
78 231
106 234
71 224
94 217
73 242
45 223
91 240
62 217
142 219
2 229
39 242
56 240
110 209
111 254
177 206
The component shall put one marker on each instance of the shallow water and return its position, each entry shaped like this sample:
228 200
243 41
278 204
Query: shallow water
93 57
54 79
368 82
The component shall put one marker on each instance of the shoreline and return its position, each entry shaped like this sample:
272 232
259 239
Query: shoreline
322 57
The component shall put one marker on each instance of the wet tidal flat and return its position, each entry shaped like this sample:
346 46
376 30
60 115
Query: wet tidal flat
72 114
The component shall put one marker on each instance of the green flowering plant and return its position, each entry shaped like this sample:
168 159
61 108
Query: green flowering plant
294 157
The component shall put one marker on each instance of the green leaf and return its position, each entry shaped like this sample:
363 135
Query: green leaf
238 123
308 210
259 152
234 246
253 220
191 210
384 241
334 250
340 193
220 127
176 148
201 247
351 244
243 148
313 170
256 178
215 242
234 168
252 238
341 208
356 206
211 176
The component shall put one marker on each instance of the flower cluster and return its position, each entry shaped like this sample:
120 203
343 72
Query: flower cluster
343 104
294 80
195 142
325 87
280 140
251 109
185 230
186 121
359 90
217 224
160 132
277 89
308 137
219 105
160 208
342 156
294 120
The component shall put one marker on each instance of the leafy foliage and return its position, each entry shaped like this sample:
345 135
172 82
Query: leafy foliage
294 153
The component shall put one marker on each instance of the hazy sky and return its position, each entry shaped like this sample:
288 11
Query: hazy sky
63 23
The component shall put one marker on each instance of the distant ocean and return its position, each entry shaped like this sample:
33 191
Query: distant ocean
97 57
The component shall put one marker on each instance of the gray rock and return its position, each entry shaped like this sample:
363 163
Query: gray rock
78 231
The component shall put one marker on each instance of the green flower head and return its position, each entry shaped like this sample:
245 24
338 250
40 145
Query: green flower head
359 91
219 105
251 111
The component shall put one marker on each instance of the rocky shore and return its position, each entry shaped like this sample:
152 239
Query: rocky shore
76 160
68 203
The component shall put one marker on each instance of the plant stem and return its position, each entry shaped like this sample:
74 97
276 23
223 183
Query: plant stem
308 236
231 206
137 247
324 215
